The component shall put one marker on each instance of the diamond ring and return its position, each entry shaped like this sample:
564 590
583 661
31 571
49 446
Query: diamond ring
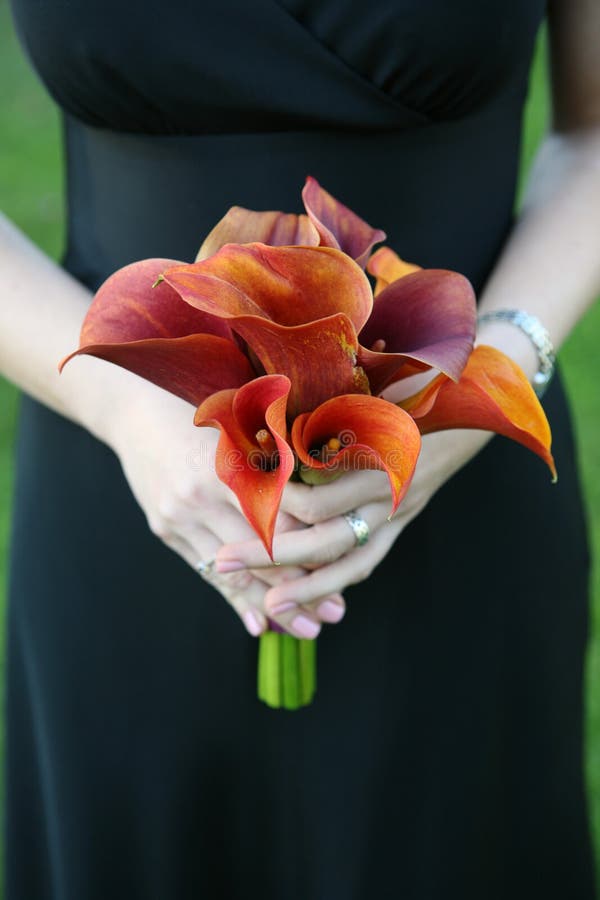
205 568
358 526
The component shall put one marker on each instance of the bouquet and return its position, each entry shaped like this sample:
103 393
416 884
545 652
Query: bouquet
277 337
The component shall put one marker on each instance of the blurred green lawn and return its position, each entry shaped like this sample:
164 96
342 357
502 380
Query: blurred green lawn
30 194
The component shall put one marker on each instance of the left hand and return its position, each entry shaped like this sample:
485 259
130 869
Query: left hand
327 546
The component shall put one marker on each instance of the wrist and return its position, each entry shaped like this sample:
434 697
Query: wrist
111 402
531 328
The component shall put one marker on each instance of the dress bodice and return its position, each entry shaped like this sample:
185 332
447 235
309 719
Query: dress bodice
408 110
185 67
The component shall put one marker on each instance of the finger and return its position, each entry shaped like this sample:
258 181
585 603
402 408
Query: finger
304 620
243 591
227 525
353 568
324 501
319 545
330 609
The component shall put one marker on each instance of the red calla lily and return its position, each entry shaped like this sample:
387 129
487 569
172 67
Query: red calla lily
493 394
357 432
152 333
253 457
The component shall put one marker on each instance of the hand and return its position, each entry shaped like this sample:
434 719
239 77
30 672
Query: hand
169 464
328 546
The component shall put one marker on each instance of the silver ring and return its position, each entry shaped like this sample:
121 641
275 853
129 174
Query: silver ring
205 568
358 526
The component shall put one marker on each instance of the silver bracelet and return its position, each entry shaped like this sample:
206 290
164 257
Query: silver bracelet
539 337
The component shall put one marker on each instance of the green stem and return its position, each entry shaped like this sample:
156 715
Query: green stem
286 670
268 669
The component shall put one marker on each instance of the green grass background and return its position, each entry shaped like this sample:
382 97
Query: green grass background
30 193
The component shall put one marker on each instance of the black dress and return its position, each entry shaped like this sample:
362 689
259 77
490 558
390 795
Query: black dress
442 757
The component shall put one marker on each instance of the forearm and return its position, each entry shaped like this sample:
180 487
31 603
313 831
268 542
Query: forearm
550 266
41 311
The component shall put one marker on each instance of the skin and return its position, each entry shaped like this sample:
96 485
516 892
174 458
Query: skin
550 266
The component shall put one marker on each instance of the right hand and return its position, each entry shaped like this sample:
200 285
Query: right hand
169 464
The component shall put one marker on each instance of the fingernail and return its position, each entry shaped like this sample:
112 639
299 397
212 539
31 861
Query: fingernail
252 622
229 565
306 628
330 611
283 607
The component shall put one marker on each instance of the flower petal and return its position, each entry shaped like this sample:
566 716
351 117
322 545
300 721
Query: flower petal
128 308
387 267
243 226
152 332
493 394
337 225
290 285
240 461
427 319
371 435
319 358
192 367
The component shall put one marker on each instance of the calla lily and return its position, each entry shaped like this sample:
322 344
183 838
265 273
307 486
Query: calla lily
288 285
424 319
297 308
319 358
357 432
253 457
493 394
152 333
246 226
327 223
337 225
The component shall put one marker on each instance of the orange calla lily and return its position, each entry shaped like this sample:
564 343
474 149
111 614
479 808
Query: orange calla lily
288 285
319 358
326 223
253 456
297 308
357 432
245 226
493 394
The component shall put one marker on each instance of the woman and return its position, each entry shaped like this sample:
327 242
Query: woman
442 755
